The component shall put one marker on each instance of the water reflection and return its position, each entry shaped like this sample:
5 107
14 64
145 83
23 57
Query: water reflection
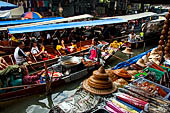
40 103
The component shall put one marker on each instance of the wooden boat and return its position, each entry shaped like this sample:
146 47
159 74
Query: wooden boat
82 47
27 90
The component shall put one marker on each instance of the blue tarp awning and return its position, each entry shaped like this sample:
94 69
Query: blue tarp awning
131 60
14 22
6 5
64 25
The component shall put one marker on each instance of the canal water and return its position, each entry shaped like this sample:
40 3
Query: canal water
42 103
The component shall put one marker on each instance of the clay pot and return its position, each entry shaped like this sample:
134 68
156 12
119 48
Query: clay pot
168 40
159 47
165 27
167 16
163 32
161 42
162 37
168 32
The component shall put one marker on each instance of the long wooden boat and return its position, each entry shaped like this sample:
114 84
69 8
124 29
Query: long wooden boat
27 90
82 47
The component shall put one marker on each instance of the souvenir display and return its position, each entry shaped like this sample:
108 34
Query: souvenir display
116 108
122 73
128 51
99 83
111 74
133 101
120 82
80 102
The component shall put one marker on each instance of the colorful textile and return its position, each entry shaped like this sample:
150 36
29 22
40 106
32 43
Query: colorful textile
41 3
93 54
81 102
43 77
45 3
33 79
9 69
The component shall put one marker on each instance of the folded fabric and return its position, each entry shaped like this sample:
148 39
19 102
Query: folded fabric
158 73
129 105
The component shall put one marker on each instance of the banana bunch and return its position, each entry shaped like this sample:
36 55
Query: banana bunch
116 44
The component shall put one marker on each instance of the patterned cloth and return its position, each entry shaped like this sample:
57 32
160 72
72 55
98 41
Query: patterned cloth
80 102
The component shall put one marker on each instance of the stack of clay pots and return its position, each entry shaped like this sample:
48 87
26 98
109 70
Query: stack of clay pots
164 42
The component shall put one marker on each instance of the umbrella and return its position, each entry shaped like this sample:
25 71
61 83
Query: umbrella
31 15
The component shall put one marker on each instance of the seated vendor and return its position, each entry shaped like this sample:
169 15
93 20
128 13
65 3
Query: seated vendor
73 46
132 38
45 54
61 48
35 51
20 56
33 79
3 63
94 53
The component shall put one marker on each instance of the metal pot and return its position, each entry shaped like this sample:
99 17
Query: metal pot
71 62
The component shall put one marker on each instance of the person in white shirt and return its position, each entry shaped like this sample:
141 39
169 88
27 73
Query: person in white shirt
19 55
35 51
132 37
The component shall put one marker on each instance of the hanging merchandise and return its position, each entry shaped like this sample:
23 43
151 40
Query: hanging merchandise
45 3
25 4
40 3
32 3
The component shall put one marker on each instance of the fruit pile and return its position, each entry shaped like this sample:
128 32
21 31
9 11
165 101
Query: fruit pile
116 44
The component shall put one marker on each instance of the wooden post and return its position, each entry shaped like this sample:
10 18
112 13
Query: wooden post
48 86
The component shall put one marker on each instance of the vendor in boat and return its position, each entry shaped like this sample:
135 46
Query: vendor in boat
94 52
61 48
33 79
45 54
132 38
73 46
35 51
20 56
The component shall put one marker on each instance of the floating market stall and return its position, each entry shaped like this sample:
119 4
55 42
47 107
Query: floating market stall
140 84
69 68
